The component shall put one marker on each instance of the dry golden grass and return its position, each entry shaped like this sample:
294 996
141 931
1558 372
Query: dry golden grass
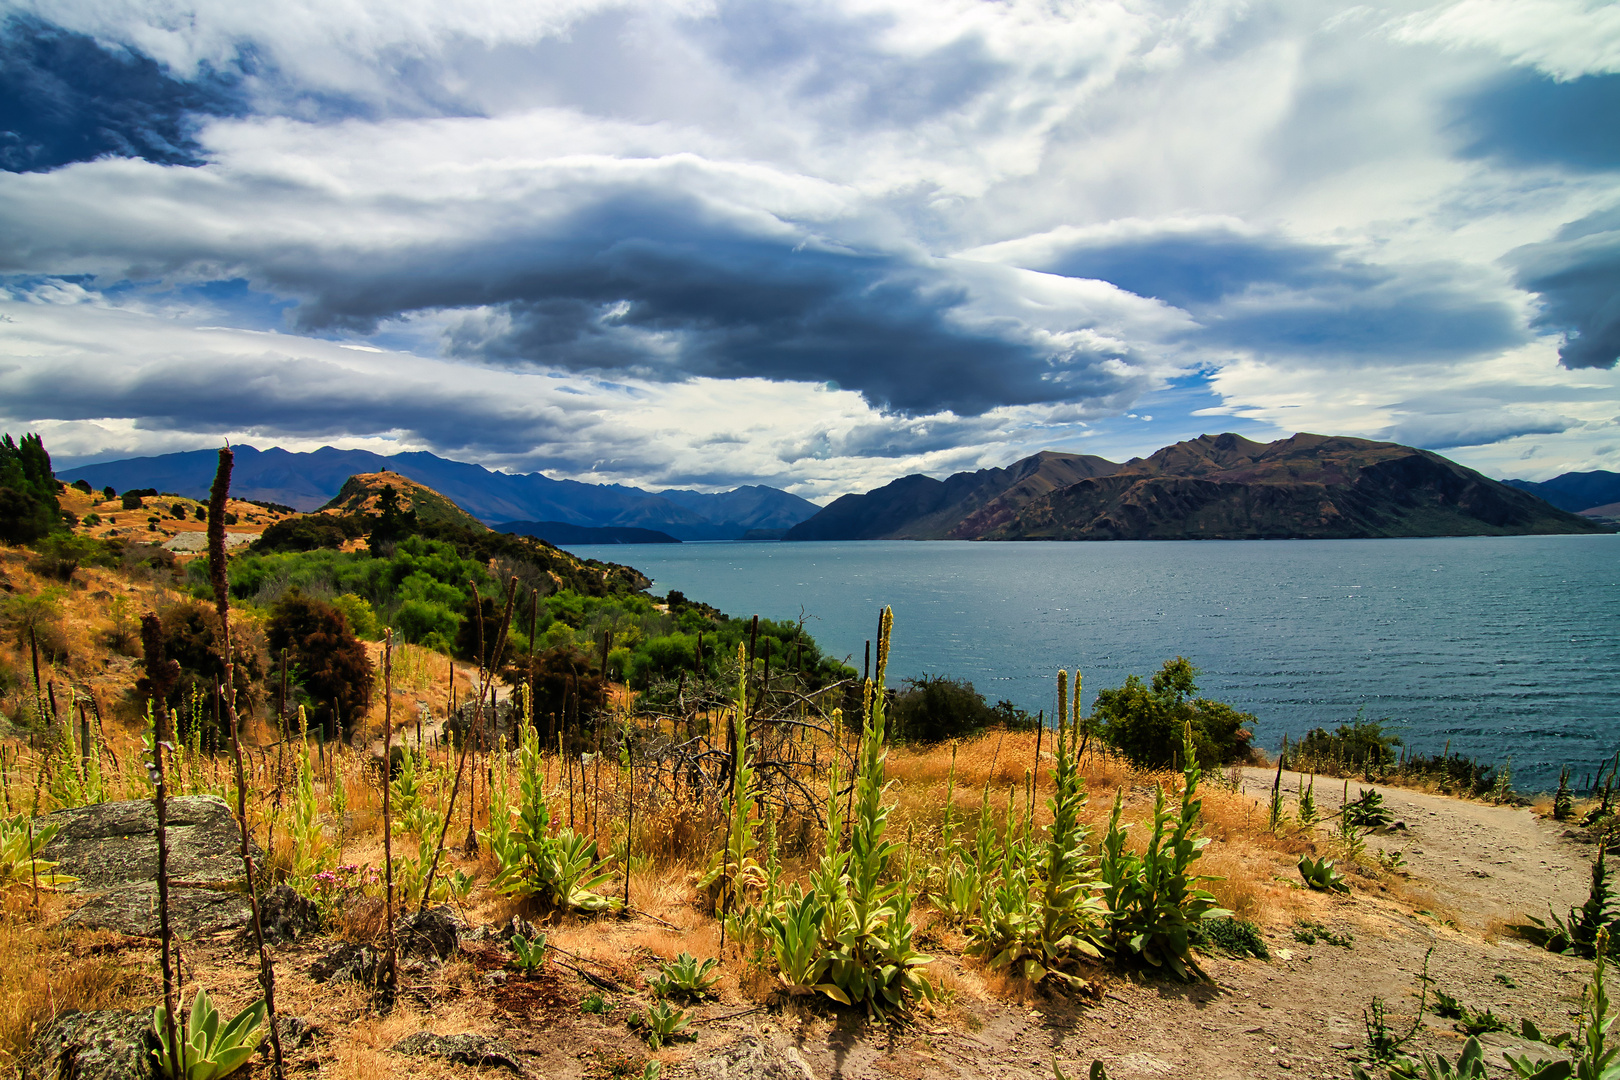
46 969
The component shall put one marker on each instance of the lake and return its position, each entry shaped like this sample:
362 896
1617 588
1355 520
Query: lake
1503 645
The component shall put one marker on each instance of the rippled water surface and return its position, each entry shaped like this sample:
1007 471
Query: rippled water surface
1505 646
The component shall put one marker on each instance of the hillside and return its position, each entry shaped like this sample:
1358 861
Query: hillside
1307 486
560 532
922 508
1212 487
362 493
306 481
1575 491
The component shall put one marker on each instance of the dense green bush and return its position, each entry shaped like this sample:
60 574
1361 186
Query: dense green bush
190 638
329 662
307 534
29 509
1355 746
938 707
1145 722
60 554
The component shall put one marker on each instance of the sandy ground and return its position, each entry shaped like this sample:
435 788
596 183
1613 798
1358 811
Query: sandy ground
1302 1013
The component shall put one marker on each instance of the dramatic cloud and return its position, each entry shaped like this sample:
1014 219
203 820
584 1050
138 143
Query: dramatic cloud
590 236
1577 274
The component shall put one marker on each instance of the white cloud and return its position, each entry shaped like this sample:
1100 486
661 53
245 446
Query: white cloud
1564 38
538 210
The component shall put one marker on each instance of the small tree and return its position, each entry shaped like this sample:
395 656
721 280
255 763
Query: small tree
191 638
1145 723
391 525
468 635
330 663
937 707
567 685
28 506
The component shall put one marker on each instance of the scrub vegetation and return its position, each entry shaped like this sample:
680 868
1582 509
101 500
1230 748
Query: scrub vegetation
493 725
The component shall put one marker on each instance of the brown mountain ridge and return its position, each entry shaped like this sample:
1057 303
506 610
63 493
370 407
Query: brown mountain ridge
1214 487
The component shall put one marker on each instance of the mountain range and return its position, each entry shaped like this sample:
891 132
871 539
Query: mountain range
1213 487
306 481
1577 492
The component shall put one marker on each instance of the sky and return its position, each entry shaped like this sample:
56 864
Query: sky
818 245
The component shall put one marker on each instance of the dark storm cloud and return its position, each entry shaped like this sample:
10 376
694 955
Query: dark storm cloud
1577 274
66 98
1273 295
1191 269
294 397
1524 118
655 286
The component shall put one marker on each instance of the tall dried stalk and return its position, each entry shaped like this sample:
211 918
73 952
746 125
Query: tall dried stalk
391 975
222 601
486 678
160 673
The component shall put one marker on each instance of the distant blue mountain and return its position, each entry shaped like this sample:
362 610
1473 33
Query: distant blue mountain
1575 491
306 481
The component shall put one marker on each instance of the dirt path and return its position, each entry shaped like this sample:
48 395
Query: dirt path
1489 862
1301 1014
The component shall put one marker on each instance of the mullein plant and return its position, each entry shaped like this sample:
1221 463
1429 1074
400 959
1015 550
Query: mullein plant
734 874
1564 799
851 937
957 896
1042 916
309 855
1308 813
1153 898
559 869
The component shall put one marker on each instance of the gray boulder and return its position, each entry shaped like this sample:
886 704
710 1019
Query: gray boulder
112 849
108 1044
752 1058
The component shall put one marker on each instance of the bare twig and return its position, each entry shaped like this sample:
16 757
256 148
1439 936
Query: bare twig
222 600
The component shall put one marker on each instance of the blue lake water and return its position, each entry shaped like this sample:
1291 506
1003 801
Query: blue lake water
1505 646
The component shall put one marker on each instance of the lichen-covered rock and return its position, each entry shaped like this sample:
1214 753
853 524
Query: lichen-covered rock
752 1058
434 934
479 1051
133 910
110 845
285 916
347 962
108 1044
112 849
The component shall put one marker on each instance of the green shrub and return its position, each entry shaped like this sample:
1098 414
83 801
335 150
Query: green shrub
329 662
362 619
1358 746
1145 722
1233 936
936 707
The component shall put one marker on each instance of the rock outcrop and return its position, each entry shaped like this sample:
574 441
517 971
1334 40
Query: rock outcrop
112 849
107 1044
